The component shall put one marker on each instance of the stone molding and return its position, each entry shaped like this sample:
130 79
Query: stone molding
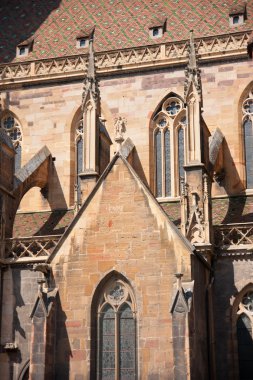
170 54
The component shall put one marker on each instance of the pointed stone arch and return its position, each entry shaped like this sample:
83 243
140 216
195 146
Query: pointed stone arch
11 124
166 124
114 295
245 123
24 373
242 319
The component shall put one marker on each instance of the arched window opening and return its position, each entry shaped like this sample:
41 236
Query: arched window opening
79 153
244 336
13 129
169 147
24 374
247 109
116 352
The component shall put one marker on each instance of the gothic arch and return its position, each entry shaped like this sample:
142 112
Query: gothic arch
239 311
167 146
245 121
114 292
73 136
24 373
11 124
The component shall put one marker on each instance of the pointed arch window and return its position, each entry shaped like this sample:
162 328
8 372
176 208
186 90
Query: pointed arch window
79 153
247 122
13 129
116 353
169 136
244 335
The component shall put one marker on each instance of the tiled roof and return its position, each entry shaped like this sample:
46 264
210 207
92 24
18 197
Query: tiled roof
225 210
173 211
233 210
55 24
42 223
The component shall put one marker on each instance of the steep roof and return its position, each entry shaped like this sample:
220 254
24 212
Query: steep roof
55 24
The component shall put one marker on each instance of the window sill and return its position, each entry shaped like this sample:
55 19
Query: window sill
168 199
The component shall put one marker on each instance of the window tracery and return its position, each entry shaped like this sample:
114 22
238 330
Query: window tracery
244 335
247 120
12 128
116 332
169 146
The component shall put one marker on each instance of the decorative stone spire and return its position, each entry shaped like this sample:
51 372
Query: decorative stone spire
90 87
196 213
90 125
192 72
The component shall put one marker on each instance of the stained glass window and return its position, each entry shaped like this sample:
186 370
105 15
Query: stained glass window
13 129
126 343
244 336
107 342
181 152
169 126
158 148
247 109
167 163
116 333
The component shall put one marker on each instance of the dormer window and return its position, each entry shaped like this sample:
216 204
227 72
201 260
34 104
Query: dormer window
82 39
237 15
236 19
82 42
157 30
24 48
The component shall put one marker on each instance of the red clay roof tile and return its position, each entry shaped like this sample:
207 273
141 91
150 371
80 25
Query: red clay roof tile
54 24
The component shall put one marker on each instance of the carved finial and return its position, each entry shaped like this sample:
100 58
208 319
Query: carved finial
192 53
41 282
90 82
91 63
182 187
205 183
179 280
192 72
120 129
46 270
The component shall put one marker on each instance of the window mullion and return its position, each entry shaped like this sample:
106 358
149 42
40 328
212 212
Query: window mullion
117 349
163 162
173 160
98 345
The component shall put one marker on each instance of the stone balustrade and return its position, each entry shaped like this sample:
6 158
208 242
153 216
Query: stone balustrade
35 248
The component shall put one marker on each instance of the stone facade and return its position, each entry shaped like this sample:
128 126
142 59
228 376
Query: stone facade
83 226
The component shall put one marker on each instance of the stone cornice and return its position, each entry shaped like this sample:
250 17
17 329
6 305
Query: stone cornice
170 54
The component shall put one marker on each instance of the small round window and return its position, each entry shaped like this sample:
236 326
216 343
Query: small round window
173 106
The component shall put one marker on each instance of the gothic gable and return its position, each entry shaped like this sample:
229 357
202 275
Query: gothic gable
119 229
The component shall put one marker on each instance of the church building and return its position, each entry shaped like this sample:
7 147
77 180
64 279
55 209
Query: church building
126 190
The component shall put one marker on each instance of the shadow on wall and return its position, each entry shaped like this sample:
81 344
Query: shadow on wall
234 211
53 192
56 197
62 350
138 167
224 289
20 21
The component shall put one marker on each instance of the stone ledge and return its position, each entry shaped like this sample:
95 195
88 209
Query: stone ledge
223 47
